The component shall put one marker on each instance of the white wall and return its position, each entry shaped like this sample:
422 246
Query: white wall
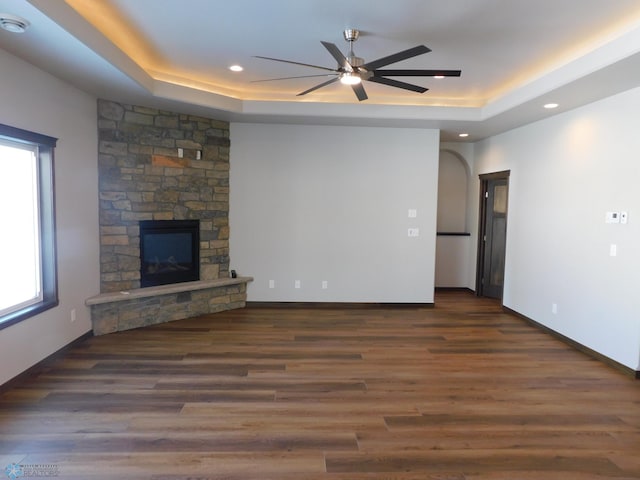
35 101
566 172
452 261
321 203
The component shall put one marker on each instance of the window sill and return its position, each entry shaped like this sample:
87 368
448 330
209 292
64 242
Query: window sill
26 312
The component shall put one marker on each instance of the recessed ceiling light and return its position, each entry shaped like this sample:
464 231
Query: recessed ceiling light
549 106
13 24
236 68
463 135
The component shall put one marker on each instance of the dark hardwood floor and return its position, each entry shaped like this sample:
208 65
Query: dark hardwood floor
462 391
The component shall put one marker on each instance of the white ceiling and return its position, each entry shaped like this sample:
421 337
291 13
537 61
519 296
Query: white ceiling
515 55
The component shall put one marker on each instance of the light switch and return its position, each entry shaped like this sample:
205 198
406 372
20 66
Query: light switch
413 213
297 284
613 250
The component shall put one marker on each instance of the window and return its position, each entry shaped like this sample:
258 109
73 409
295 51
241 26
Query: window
27 229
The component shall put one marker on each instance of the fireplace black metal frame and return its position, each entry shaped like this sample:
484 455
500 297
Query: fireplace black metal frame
167 227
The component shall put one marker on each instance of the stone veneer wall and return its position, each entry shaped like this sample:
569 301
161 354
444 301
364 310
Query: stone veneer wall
141 177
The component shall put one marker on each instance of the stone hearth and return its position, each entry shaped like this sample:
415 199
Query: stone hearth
114 312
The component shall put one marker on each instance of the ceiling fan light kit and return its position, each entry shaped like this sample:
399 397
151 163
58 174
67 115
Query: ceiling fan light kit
352 70
348 78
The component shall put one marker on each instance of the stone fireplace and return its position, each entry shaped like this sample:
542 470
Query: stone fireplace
160 166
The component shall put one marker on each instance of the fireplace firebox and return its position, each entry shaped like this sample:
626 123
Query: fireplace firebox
169 252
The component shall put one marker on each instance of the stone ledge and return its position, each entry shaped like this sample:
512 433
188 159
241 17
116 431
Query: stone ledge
164 290
115 312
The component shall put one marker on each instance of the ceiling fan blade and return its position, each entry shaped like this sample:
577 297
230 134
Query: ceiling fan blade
289 78
396 57
398 84
417 73
358 89
297 63
337 54
323 84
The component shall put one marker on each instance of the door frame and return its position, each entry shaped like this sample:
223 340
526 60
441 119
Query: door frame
482 217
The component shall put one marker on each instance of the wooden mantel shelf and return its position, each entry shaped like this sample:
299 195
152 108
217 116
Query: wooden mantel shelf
164 290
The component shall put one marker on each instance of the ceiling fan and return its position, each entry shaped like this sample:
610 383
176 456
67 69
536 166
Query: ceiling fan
352 70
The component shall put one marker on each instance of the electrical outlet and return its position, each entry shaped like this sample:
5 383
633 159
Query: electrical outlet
73 315
325 284
272 284
554 308
297 284
413 232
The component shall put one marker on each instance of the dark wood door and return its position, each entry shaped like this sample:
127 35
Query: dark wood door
493 234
